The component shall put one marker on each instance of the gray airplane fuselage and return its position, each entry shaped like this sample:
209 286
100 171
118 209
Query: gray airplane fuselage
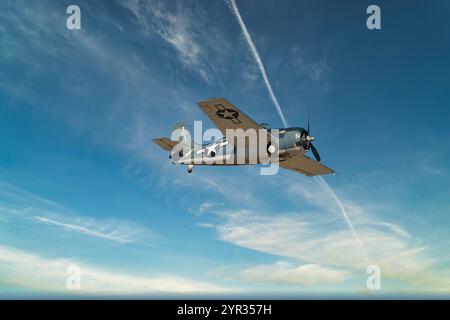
222 152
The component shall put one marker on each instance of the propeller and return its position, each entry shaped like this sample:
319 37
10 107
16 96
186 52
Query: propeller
308 125
315 152
306 140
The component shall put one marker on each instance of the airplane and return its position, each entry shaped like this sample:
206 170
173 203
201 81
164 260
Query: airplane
293 143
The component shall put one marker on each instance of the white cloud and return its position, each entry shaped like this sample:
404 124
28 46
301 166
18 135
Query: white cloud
319 70
314 240
217 187
311 193
19 195
206 225
111 229
177 30
187 31
283 272
226 189
18 203
311 71
29 40
20 268
206 206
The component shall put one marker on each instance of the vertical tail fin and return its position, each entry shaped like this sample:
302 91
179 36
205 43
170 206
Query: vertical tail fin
182 134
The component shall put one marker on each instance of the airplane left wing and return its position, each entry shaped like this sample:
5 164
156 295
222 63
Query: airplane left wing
226 116
305 165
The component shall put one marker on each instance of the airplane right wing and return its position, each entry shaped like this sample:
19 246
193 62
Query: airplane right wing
305 165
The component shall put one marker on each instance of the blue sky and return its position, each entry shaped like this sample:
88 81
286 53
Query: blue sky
82 183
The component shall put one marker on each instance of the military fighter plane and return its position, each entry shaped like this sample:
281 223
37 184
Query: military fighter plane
290 147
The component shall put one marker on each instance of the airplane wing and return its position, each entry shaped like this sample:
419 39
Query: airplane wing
305 165
226 116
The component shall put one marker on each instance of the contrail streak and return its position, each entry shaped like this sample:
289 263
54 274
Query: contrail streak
255 53
320 180
326 187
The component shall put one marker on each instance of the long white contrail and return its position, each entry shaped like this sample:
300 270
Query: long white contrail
255 53
325 186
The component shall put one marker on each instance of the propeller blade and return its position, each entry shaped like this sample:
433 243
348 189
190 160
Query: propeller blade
308 123
315 152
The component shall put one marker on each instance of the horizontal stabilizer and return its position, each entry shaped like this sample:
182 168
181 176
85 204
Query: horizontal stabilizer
165 143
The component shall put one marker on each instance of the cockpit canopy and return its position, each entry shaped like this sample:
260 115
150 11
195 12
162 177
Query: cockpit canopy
297 129
265 126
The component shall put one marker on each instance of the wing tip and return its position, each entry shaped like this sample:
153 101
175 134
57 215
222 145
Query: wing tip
210 99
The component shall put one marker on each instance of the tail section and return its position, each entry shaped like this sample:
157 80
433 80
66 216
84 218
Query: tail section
180 136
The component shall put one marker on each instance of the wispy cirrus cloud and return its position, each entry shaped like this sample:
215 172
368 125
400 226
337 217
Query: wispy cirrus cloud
282 272
30 270
313 239
18 203
314 234
24 30
186 30
108 229
204 207
319 70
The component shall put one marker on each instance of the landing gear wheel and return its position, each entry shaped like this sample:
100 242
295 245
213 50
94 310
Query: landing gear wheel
190 167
